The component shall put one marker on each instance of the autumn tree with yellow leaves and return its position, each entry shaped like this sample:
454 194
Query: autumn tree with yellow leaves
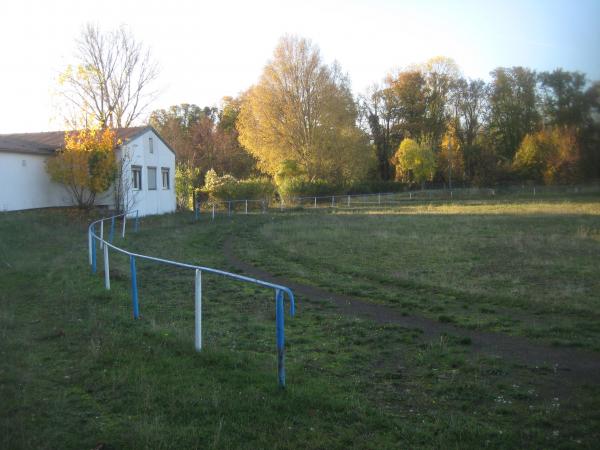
302 110
414 162
86 165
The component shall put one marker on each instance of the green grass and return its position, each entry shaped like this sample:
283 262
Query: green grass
76 370
529 268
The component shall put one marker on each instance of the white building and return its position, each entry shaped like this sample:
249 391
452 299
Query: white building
149 168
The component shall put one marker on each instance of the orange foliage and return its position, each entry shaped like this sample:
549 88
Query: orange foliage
86 165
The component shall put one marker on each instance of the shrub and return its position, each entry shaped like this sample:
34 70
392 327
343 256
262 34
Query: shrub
252 189
186 179
228 187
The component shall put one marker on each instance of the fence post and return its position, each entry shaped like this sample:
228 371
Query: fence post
410 195
246 206
90 244
213 211
124 224
94 253
332 201
280 337
196 211
111 235
229 208
137 221
315 202
281 205
101 233
534 191
134 290
198 308
106 269
348 200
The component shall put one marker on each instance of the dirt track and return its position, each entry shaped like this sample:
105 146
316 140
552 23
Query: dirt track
570 365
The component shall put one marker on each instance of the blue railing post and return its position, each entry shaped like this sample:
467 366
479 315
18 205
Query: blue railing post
280 291
111 235
280 337
93 249
134 290
90 244
137 220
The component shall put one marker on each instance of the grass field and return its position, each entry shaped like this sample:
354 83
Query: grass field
76 371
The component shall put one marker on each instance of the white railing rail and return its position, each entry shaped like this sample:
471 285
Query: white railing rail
95 237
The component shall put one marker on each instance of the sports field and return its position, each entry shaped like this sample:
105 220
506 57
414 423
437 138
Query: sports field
469 324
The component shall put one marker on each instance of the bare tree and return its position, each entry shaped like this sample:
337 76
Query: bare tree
110 83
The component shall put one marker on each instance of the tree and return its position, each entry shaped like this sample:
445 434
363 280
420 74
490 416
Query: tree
450 157
378 112
513 113
86 165
110 83
176 125
551 155
408 97
414 103
303 110
565 102
205 138
415 163
440 74
471 108
590 135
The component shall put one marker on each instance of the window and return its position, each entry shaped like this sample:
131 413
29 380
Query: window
151 178
165 177
136 172
151 145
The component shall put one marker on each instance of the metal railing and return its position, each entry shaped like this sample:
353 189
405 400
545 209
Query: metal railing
384 199
105 245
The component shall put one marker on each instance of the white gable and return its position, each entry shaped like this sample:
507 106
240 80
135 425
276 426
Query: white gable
25 184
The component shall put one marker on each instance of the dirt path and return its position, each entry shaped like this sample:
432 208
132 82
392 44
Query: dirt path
578 366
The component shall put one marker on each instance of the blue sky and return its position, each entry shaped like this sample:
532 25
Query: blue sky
211 49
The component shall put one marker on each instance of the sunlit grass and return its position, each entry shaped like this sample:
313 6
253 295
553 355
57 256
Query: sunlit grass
536 264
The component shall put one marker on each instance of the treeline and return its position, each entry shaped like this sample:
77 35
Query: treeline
299 130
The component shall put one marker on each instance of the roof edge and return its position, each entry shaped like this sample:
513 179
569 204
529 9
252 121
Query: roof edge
151 128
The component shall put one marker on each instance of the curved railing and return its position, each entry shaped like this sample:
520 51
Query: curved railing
106 245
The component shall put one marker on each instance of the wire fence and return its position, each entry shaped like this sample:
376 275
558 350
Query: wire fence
101 233
384 199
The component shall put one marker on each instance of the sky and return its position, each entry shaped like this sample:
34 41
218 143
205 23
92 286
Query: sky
208 50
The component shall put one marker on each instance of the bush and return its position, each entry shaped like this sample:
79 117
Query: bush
228 187
374 187
252 189
186 178
301 187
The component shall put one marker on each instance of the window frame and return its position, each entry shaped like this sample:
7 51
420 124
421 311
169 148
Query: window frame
136 170
149 178
166 170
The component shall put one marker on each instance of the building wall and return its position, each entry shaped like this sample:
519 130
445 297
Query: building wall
137 153
25 184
